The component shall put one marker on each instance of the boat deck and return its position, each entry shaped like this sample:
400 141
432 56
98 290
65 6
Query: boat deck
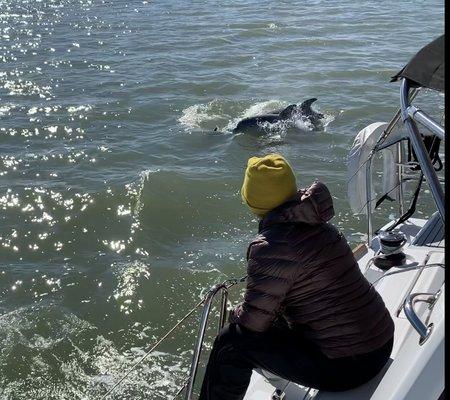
433 233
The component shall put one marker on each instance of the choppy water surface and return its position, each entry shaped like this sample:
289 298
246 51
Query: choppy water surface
118 202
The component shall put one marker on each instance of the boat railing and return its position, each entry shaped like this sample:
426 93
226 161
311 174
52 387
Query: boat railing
423 330
206 301
221 288
409 115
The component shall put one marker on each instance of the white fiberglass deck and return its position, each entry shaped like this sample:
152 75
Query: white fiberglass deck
414 372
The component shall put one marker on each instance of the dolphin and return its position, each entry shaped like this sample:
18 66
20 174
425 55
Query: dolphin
303 111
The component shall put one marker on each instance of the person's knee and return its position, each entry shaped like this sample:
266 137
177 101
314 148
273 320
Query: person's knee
226 336
232 334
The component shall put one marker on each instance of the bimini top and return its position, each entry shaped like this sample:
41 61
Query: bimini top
426 68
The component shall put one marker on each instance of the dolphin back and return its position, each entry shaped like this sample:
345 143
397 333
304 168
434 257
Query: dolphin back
305 107
246 123
286 114
288 111
254 122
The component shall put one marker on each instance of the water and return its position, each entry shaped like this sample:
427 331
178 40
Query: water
119 204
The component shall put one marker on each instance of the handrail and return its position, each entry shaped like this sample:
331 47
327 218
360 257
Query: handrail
423 330
221 287
412 284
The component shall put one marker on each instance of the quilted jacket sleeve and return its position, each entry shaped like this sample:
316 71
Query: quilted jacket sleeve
270 277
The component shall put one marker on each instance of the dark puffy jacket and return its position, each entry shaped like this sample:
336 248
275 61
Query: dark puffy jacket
302 268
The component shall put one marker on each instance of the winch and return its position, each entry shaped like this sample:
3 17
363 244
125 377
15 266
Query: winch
390 254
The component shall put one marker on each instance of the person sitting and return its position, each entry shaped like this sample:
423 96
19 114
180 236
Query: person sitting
308 314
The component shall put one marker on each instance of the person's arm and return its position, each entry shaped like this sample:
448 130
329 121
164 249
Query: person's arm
270 277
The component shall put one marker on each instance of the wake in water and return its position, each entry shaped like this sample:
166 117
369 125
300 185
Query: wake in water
206 116
54 345
210 116
195 116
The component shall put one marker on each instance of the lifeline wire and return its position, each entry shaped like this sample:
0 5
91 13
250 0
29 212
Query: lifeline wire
384 135
153 348
180 390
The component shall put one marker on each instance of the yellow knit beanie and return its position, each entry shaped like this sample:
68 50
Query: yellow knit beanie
269 181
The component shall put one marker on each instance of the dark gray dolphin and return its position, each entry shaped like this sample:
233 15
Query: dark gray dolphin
303 112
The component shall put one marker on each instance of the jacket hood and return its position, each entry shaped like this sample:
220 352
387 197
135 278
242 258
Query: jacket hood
312 206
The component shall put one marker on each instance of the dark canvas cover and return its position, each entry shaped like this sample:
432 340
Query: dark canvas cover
426 68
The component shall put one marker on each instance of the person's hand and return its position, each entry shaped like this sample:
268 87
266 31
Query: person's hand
233 317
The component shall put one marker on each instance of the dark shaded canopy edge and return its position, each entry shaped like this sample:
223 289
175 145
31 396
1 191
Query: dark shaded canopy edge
426 68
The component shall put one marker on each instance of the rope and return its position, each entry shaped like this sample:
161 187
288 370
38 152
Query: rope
412 207
181 389
379 201
153 348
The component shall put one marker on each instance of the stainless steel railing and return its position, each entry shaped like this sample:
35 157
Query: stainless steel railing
423 330
219 288
422 117
409 114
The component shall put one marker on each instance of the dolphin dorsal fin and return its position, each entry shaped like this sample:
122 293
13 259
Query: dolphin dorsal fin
287 112
306 105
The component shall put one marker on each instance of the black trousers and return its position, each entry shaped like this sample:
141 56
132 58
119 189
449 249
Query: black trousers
283 352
